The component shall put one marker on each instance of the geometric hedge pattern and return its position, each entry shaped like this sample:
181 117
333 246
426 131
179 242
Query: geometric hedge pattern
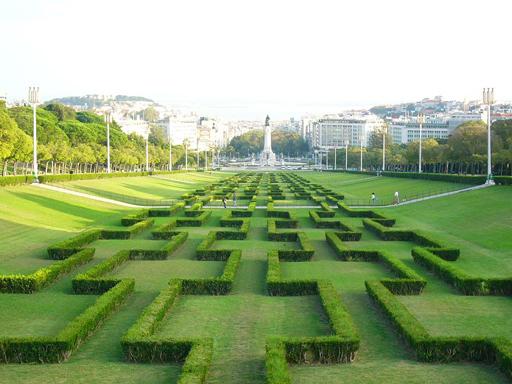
283 237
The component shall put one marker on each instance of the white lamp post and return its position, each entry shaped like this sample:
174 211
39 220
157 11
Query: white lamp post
421 119
147 149
361 152
197 152
33 98
488 99
335 149
384 148
108 120
185 143
170 146
346 155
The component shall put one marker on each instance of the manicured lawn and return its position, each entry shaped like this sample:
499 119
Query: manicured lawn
358 188
148 187
479 223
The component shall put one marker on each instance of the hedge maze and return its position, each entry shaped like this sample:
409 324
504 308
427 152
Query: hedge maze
240 294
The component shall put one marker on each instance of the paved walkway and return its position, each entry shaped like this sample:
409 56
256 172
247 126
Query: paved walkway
92 197
412 201
123 204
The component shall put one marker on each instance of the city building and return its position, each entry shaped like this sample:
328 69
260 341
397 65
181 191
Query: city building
129 125
407 129
335 131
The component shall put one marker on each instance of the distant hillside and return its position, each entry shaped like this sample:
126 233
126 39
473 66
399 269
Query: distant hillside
96 101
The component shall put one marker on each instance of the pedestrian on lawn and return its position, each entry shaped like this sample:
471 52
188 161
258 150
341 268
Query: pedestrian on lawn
396 199
373 198
224 201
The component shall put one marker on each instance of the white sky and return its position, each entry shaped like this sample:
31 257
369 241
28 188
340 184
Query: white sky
246 58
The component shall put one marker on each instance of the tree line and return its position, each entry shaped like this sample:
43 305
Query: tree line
73 139
465 151
283 142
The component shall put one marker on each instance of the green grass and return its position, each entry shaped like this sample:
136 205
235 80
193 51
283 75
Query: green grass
478 222
148 187
358 188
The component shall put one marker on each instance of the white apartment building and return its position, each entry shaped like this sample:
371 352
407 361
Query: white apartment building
405 130
137 126
335 131
182 128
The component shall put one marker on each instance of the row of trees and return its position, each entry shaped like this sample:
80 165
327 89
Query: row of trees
69 137
464 151
283 142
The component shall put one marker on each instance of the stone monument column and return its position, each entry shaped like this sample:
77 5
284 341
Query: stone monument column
267 156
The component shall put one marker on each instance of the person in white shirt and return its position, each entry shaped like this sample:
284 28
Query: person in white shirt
396 199
373 198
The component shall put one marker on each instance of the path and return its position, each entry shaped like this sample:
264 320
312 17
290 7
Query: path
444 194
93 197
121 203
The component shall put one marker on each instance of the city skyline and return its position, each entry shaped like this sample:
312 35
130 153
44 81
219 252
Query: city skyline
247 60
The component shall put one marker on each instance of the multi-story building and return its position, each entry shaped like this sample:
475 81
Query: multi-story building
181 128
336 131
407 129
137 126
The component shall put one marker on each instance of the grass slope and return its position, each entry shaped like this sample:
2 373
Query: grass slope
478 222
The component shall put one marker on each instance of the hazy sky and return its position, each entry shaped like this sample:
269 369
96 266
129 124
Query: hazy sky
246 58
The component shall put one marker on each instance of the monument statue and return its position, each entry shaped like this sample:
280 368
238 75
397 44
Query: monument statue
268 158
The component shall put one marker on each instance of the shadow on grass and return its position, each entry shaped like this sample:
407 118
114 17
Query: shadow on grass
88 214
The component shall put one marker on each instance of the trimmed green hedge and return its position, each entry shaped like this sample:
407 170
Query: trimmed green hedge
65 248
410 328
159 212
44 276
15 180
91 283
176 240
271 212
194 221
363 213
134 218
126 233
333 224
276 365
440 349
59 348
503 180
165 231
218 285
408 283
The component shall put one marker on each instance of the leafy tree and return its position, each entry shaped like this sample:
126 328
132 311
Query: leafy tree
285 142
62 111
47 124
8 130
469 141
151 114
89 117
157 135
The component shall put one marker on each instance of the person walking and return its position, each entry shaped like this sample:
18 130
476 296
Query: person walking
224 201
373 198
234 198
396 199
